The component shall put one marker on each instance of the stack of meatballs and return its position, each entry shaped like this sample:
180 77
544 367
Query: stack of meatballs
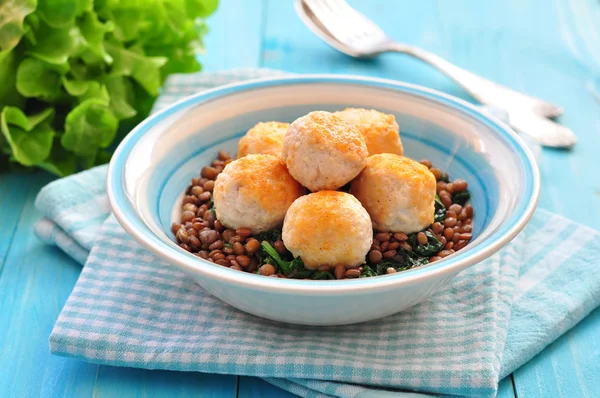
322 152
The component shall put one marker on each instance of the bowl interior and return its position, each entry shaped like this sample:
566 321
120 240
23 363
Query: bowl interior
157 161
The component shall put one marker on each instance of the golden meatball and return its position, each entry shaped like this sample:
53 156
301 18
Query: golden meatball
328 228
255 192
380 130
398 193
264 138
323 152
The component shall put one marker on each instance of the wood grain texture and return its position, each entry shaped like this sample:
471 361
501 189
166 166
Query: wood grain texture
234 39
506 388
254 387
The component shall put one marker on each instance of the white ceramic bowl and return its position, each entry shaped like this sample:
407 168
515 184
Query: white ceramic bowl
154 164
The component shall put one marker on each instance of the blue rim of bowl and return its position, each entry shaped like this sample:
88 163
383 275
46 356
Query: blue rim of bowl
125 212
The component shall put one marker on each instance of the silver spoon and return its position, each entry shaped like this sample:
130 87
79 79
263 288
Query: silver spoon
352 33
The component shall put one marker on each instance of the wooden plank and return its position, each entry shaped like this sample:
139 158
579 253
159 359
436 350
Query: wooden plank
35 282
506 388
254 387
234 38
570 367
130 382
13 191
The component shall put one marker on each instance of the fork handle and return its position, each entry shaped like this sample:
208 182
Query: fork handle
482 89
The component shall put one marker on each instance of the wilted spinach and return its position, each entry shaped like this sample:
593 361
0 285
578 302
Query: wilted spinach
429 249
440 210
367 272
270 236
461 198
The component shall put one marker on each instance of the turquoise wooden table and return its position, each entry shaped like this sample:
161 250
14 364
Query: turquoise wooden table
550 49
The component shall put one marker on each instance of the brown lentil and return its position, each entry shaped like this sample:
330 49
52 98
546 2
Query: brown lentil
459 185
456 208
243 232
228 250
323 268
209 172
223 262
182 236
218 226
252 246
238 248
223 155
175 227
437 173
218 256
434 258
185 247
450 188
390 270
448 233
187 216
460 244
405 245
218 244
444 253
449 245
467 228
394 246
209 185
203 254
243 260
236 267
375 256
228 234
383 236
422 238
266 269
451 214
280 247
352 273
390 254
437 228
385 245
450 222
465 236
208 236
204 196
469 210
194 243
400 236
445 198
340 272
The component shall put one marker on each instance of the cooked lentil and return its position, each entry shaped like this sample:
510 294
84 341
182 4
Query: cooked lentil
202 234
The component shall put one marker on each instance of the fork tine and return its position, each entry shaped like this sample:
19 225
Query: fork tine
331 19
345 23
346 11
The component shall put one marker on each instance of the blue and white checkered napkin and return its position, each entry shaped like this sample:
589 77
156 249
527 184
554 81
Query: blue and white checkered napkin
131 309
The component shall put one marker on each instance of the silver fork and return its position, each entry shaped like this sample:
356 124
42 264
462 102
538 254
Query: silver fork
352 33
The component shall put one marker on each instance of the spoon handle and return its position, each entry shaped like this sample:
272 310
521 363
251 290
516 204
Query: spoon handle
482 89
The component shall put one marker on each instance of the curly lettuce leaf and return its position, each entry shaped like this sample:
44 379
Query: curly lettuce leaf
62 13
29 137
96 65
36 78
12 15
89 126
131 62
94 31
121 97
55 45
